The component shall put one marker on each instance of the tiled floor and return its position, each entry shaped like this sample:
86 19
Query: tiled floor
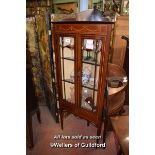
44 135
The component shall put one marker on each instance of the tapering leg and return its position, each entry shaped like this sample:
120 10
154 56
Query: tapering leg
98 133
61 118
87 123
38 115
29 131
105 129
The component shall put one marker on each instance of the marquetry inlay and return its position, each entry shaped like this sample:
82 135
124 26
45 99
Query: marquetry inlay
82 28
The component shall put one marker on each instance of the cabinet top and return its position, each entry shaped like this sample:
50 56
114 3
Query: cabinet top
89 17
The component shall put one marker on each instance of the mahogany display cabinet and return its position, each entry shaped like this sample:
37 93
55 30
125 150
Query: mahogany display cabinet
81 49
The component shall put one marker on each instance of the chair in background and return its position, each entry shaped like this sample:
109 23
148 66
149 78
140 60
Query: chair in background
114 96
120 126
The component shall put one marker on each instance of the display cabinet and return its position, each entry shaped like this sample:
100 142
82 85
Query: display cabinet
81 50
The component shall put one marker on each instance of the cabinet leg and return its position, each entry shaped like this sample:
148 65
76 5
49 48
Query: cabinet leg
98 133
61 118
105 130
29 131
87 123
38 115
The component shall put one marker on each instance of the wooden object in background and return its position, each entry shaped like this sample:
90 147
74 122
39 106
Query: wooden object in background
119 45
32 106
126 67
66 8
115 97
121 128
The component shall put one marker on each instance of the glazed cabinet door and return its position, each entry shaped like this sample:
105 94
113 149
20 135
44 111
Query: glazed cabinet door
66 68
91 66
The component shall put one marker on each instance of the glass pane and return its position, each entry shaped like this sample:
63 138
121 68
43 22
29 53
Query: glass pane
68 92
89 99
90 76
91 54
67 68
91 51
67 47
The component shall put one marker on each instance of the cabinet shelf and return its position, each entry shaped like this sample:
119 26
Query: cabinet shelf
69 81
85 86
68 58
83 61
89 87
90 50
90 62
71 47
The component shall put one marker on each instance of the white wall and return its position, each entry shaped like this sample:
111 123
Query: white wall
83 5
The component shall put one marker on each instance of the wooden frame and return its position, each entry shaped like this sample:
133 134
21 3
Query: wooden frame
81 30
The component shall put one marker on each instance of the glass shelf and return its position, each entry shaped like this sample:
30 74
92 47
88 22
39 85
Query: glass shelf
68 58
69 81
90 62
88 85
71 47
83 61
